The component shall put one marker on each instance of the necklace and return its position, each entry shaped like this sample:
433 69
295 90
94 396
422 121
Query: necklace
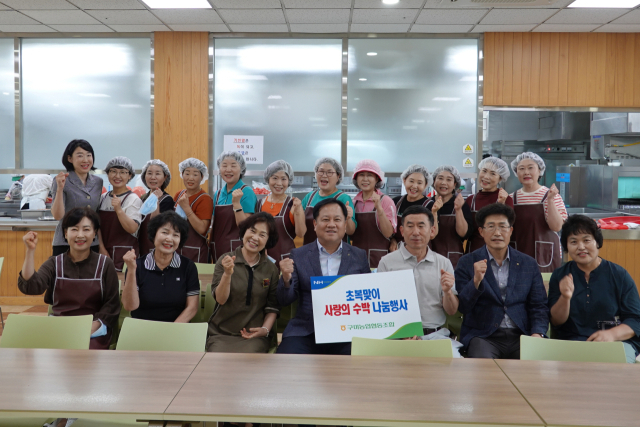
274 203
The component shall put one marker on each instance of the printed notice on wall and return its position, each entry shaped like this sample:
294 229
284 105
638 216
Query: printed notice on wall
250 146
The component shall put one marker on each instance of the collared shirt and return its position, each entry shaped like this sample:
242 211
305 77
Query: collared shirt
163 293
248 201
388 206
77 195
501 273
426 273
329 263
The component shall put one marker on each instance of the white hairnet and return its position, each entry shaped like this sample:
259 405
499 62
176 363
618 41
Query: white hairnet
165 170
528 155
497 165
121 162
334 163
277 166
235 156
452 170
192 162
418 169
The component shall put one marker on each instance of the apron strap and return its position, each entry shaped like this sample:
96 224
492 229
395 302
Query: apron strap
178 198
202 194
515 197
100 267
338 195
400 203
59 266
426 202
311 199
473 203
285 204
544 197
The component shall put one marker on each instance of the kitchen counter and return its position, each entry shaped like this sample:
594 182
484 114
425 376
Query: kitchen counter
17 224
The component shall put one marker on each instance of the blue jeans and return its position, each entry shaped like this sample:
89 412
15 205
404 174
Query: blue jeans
630 352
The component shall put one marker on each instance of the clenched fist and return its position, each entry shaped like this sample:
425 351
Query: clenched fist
447 281
130 259
566 286
349 211
502 195
30 240
286 267
297 205
437 205
116 202
479 270
553 192
236 196
228 263
458 202
61 179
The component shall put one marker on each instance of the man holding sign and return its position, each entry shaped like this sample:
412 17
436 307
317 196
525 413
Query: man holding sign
433 273
328 255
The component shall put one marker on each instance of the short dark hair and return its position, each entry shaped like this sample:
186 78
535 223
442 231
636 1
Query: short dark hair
174 220
330 201
265 217
418 210
495 209
71 147
579 224
75 215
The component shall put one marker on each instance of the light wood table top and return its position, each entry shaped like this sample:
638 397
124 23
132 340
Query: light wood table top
578 393
75 383
356 390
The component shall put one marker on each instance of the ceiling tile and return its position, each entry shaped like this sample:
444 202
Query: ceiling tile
585 16
417 28
446 4
82 28
15 18
110 4
379 28
318 16
319 28
451 16
26 29
3 7
318 4
213 28
377 4
38 4
124 17
632 17
188 16
77 17
259 28
502 28
247 4
517 16
254 16
384 16
565 28
139 28
619 28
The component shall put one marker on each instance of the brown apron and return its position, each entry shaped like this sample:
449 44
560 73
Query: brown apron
447 242
286 231
532 235
80 297
398 235
195 248
146 245
225 236
369 237
115 239
476 241
310 235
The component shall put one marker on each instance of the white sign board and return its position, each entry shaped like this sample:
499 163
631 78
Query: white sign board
250 146
379 305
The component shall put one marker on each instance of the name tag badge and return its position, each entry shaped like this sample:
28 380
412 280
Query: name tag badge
266 283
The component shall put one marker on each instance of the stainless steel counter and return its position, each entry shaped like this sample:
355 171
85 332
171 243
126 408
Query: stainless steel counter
17 224
621 234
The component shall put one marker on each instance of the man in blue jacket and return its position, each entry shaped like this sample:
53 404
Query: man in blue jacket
326 256
501 292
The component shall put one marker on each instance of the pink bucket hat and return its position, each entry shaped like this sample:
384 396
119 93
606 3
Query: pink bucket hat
368 165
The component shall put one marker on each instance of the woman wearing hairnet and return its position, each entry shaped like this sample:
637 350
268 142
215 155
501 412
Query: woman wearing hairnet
196 206
416 179
375 212
537 219
233 203
491 172
329 174
286 210
156 177
119 212
454 217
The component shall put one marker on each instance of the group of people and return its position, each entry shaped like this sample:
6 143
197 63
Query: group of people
494 280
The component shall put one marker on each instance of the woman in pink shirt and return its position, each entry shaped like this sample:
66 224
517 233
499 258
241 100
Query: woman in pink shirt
375 209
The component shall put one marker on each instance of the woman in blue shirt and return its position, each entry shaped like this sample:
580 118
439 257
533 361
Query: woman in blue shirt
589 291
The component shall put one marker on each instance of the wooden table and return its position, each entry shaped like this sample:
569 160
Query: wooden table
357 390
90 383
578 393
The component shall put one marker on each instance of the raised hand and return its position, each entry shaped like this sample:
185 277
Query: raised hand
183 201
236 196
349 211
286 267
447 281
375 198
437 205
228 263
502 195
116 203
297 205
61 179
479 270
158 193
458 202
566 286
130 259
30 240
553 192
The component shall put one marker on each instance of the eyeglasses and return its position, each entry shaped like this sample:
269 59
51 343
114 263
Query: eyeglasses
503 228
325 173
117 172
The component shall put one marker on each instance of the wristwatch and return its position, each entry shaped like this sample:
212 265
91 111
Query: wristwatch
238 210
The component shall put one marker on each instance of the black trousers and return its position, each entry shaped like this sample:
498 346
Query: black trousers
502 344
307 345
60 249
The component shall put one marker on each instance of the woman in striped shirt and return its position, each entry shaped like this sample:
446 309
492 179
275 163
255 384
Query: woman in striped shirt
537 219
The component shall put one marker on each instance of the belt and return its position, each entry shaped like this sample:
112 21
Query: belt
427 331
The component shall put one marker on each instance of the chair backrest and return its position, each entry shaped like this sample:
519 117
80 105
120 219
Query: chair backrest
402 348
62 332
204 268
138 334
571 351
209 304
